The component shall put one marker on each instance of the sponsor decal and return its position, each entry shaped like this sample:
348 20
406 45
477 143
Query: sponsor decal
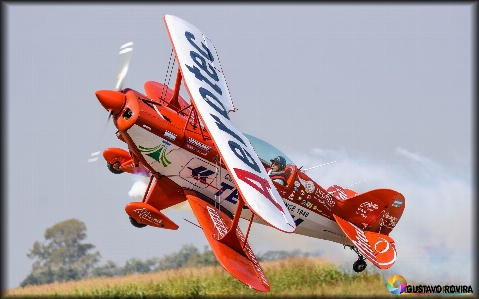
366 207
146 215
290 207
326 199
309 205
206 176
389 221
212 94
338 192
199 144
361 242
201 172
146 127
217 222
294 209
195 149
170 135
261 185
297 221
308 185
228 177
158 153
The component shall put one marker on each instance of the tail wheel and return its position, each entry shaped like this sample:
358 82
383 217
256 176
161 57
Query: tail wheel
359 265
114 168
136 223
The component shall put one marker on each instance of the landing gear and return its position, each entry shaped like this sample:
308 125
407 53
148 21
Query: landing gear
136 223
114 168
360 264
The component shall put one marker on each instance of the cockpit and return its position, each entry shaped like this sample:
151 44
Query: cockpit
266 152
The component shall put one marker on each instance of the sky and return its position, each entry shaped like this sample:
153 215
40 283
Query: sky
386 90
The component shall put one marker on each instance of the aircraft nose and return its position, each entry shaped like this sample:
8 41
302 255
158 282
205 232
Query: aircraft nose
111 100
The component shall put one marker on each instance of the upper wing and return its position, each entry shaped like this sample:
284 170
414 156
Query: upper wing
209 93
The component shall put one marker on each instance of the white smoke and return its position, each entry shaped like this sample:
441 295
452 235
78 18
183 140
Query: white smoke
434 235
139 186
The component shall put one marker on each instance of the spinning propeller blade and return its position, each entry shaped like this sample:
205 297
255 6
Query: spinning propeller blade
125 56
95 155
108 98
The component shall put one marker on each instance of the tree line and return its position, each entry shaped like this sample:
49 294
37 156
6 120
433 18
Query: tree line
64 257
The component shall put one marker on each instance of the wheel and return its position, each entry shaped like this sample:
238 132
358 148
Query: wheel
359 266
136 223
114 169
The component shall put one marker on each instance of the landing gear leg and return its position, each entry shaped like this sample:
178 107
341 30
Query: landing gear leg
360 264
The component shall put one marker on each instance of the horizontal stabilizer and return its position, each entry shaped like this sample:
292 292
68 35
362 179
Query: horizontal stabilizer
379 249
146 214
242 265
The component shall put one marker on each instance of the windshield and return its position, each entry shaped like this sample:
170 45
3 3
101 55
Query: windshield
266 151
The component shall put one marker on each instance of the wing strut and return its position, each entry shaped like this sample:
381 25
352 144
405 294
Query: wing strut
247 232
230 238
196 121
173 103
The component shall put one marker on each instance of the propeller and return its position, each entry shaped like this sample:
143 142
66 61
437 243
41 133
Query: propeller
113 100
125 56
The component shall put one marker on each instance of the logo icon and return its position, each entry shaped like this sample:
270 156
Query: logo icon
396 284
158 152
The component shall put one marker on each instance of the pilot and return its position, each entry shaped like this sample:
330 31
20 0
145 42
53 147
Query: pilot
276 172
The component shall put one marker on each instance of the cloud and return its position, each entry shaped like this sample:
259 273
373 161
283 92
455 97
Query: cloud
413 156
433 237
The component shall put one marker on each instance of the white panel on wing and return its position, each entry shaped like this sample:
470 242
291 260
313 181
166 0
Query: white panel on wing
207 87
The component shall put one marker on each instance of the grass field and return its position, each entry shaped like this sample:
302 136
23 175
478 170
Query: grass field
291 277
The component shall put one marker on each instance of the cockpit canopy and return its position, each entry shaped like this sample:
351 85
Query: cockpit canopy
266 151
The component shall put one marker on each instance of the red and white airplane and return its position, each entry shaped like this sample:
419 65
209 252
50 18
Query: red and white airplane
193 152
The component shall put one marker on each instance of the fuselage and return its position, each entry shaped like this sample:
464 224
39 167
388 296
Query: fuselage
170 140
175 145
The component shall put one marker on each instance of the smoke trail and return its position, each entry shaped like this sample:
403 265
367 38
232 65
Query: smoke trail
139 186
433 237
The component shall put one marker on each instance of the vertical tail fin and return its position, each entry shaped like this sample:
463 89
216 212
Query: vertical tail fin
374 210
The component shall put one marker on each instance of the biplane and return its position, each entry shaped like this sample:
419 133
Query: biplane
191 151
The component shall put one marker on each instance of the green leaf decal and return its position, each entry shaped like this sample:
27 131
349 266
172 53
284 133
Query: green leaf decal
158 153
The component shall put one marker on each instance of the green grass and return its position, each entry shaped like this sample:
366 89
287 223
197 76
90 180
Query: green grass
292 278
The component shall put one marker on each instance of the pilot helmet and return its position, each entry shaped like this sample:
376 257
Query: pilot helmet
280 160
